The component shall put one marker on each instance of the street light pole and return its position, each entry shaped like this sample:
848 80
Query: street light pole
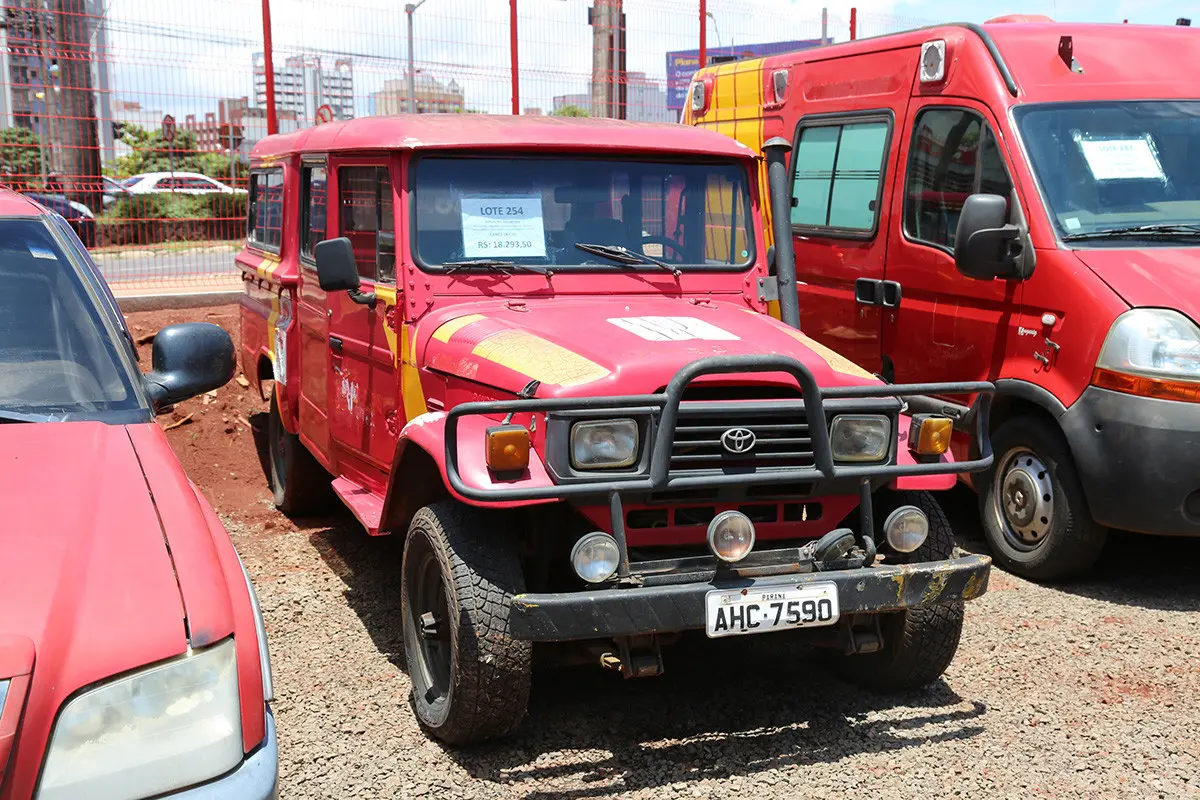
412 83
716 28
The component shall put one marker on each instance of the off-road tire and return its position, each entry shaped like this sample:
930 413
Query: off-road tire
1074 540
300 485
490 671
919 643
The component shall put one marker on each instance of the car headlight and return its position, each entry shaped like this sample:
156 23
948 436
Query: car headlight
172 725
1153 343
604 445
860 437
83 210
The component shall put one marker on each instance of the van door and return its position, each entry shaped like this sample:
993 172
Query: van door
311 315
947 327
839 179
362 388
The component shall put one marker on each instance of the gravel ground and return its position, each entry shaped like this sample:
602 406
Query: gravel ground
1084 690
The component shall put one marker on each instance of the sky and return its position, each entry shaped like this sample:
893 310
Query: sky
180 57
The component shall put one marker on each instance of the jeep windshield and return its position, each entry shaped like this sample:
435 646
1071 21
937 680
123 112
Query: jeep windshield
1118 174
475 214
60 357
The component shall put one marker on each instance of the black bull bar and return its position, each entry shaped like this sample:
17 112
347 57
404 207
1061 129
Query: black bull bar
664 407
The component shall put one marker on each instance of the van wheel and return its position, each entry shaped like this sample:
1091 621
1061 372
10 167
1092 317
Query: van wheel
300 484
470 678
1035 516
919 643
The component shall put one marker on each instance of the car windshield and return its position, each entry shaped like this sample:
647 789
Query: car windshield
1118 170
58 357
573 212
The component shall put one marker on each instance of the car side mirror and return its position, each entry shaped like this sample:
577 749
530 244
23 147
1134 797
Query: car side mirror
986 245
337 270
186 360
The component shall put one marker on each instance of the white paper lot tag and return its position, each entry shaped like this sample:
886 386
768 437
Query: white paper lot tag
673 329
1121 159
503 227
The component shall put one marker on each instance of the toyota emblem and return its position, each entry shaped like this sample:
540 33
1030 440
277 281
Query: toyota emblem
738 440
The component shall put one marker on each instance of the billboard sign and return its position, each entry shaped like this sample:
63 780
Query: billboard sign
682 64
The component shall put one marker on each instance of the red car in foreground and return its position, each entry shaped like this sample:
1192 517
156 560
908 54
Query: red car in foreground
133 658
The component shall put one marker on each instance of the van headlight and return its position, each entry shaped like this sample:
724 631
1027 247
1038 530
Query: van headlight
166 727
604 445
1154 343
860 437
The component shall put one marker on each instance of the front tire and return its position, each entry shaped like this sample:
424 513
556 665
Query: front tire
918 643
1035 516
300 485
470 677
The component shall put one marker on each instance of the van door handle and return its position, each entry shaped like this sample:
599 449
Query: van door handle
335 344
868 291
891 295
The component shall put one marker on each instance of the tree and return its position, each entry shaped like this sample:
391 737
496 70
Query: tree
570 111
20 156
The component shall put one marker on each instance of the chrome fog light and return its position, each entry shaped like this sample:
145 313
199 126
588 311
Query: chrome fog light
596 557
731 536
907 528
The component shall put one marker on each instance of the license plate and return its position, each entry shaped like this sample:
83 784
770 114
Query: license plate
733 612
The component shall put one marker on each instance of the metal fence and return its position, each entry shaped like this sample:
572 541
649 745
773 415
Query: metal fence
87 86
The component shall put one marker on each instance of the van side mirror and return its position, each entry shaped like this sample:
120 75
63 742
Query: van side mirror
188 359
986 245
337 271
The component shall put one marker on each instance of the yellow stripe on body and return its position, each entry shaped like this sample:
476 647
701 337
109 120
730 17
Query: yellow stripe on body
538 358
453 326
410 377
836 362
272 319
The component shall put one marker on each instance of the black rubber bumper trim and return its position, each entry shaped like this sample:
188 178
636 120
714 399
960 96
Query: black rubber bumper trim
605 613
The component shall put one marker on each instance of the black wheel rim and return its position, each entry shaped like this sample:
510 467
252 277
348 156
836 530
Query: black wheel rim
429 621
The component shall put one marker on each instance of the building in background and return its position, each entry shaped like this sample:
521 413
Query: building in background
303 85
645 100
433 96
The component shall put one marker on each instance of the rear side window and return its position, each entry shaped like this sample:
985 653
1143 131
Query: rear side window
312 220
365 200
265 209
953 155
838 175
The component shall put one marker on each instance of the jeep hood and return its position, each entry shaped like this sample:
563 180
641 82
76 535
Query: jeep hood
609 345
1166 277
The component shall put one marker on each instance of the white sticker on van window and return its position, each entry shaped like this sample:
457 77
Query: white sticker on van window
1121 159
673 329
41 252
1072 223
503 227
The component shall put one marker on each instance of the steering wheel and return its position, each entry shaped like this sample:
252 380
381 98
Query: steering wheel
664 241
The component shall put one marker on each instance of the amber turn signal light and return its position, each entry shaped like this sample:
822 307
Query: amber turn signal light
929 434
507 448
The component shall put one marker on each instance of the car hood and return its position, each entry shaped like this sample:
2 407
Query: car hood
611 345
86 570
1164 277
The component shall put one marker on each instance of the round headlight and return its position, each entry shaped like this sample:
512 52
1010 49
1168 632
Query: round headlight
906 528
595 557
731 536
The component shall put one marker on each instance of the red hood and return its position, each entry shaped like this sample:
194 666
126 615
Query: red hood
610 345
1158 276
86 574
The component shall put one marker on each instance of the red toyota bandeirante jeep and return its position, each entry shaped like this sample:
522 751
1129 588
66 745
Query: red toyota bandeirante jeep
537 348
1016 202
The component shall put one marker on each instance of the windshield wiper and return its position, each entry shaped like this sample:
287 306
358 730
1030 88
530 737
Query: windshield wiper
623 255
493 265
1164 230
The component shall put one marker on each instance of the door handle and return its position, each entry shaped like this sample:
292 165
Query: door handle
873 292
335 344
891 295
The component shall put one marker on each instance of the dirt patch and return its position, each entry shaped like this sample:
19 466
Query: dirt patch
217 436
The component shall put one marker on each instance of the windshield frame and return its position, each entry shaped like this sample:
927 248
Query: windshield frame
753 223
1017 112
112 329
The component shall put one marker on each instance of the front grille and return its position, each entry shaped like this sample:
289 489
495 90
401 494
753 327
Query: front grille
781 437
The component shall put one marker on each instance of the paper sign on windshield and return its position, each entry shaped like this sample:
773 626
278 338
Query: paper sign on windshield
502 227
1121 159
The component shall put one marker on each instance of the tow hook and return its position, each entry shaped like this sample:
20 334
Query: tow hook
863 636
636 657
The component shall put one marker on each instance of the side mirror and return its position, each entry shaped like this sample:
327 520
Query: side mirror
986 245
771 260
337 271
188 359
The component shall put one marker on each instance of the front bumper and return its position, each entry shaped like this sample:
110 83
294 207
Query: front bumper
256 778
1137 460
616 611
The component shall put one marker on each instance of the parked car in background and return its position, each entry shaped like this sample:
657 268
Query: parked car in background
133 656
77 215
1017 202
177 183
113 190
